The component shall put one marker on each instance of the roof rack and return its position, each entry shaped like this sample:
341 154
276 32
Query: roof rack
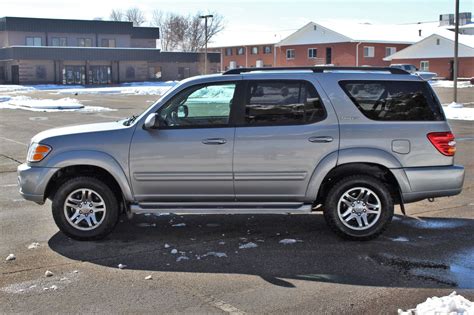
318 69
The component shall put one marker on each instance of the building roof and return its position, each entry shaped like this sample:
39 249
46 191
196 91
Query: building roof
245 38
25 24
340 31
437 45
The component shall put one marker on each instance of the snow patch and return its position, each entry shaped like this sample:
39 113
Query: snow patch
400 239
288 241
215 254
451 304
149 277
48 274
433 223
137 88
174 251
180 258
458 112
248 245
121 266
34 245
179 225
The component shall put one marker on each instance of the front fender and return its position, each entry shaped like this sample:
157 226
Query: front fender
93 158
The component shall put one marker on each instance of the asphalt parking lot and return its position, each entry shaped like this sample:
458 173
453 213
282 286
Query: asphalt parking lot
430 252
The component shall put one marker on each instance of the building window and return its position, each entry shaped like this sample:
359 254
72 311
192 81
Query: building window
59 41
228 51
312 53
369 51
267 49
84 42
107 42
390 51
130 73
438 41
33 41
424 66
290 54
240 50
254 50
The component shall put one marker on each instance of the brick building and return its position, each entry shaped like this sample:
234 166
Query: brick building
34 50
339 44
435 54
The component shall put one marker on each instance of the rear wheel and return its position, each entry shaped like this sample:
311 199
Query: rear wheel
359 207
85 208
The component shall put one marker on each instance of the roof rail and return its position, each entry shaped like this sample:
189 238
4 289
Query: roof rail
318 69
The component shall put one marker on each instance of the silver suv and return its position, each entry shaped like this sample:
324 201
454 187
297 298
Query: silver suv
351 142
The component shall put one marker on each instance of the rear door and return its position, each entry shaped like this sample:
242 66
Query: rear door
284 131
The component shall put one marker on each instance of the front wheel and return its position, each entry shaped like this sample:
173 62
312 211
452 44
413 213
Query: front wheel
359 207
85 209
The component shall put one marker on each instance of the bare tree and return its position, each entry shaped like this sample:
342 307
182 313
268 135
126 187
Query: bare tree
185 33
117 15
135 15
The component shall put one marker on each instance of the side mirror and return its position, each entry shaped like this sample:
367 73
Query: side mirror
183 111
151 121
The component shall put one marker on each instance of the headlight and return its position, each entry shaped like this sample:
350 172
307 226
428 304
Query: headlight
37 152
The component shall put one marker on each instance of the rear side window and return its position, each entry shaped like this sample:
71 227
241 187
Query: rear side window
394 100
282 103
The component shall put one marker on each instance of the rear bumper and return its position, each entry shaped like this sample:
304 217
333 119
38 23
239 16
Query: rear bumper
419 183
33 181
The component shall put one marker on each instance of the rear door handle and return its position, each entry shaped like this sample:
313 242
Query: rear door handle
214 141
320 139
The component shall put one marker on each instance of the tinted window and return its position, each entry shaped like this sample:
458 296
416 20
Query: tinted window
282 103
394 100
199 106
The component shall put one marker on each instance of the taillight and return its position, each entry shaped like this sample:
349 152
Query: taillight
444 142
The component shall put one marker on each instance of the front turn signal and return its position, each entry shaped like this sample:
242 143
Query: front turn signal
37 152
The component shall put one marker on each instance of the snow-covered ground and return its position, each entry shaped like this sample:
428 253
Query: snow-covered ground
452 304
450 84
46 105
455 111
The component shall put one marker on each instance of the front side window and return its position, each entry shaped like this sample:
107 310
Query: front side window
290 54
282 103
369 51
394 100
199 106
312 53
33 41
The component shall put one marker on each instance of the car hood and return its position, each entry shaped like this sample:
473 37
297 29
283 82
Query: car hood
78 129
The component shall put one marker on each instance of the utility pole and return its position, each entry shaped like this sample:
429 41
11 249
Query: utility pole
456 39
205 17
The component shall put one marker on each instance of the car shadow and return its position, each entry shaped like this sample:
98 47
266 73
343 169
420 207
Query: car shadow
425 252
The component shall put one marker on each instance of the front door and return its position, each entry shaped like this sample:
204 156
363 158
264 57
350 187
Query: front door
286 131
189 156
15 75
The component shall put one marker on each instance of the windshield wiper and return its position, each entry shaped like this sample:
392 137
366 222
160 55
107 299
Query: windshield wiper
130 120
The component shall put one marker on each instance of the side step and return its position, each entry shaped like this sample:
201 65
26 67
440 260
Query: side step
220 208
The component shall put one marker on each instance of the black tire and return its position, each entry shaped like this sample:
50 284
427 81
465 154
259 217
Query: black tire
352 182
110 218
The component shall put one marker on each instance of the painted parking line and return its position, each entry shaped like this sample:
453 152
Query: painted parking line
14 141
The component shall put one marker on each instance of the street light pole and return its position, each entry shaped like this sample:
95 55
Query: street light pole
205 17
456 39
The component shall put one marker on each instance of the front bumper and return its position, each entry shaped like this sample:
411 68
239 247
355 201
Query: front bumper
33 181
418 183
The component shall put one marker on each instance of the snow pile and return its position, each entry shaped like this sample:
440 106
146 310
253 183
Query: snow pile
15 88
288 241
143 88
454 111
47 105
400 239
215 254
450 84
248 245
34 245
452 304
10 257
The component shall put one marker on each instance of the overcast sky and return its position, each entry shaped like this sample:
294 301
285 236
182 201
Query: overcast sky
249 15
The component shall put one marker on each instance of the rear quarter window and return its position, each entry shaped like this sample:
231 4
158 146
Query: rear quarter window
394 100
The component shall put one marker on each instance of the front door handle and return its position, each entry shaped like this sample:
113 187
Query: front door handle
214 141
320 139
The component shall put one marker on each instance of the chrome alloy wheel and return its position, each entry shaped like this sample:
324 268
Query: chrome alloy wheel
84 209
359 208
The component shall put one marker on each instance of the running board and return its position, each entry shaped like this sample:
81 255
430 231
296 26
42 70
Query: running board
220 208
